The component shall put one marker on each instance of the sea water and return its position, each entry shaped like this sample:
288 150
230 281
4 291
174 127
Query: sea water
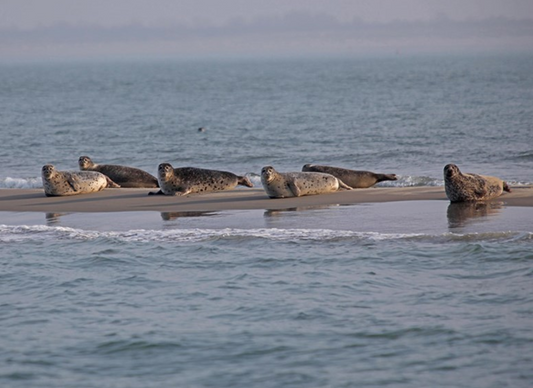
407 294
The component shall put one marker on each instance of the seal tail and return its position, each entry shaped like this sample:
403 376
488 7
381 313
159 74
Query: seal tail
386 177
343 185
506 187
111 184
244 181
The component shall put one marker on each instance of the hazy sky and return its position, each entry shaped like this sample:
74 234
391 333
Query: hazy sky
48 28
31 13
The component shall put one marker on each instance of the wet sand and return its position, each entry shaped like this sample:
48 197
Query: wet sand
128 200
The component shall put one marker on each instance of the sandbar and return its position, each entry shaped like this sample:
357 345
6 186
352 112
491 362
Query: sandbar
128 200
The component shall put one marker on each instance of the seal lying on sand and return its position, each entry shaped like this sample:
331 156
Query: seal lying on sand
187 180
462 187
297 184
122 175
59 183
354 178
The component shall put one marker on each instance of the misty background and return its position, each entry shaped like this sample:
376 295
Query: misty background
50 29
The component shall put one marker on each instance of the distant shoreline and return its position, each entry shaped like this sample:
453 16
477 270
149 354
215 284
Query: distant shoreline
127 200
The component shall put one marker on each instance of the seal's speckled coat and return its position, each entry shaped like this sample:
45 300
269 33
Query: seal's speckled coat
297 184
356 179
60 183
123 175
187 180
463 187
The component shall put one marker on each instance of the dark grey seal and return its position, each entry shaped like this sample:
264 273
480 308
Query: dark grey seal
122 175
356 179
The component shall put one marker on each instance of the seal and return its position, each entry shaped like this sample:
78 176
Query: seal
122 175
463 187
59 183
356 179
297 184
187 180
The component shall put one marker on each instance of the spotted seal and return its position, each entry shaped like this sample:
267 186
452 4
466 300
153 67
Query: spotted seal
122 175
462 187
356 179
59 183
187 180
297 184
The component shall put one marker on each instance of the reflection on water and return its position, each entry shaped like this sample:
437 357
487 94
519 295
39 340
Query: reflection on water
278 212
461 213
169 216
54 218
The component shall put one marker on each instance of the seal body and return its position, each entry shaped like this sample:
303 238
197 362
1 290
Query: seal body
463 187
122 175
59 183
297 184
356 179
187 180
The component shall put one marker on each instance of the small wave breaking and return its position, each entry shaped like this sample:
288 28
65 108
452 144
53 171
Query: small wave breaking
403 181
254 178
524 156
412 181
21 183
9 233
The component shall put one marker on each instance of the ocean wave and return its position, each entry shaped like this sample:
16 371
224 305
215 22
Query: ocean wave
519 183
254 178
21 183
419 181
527 155
411 181
403 181
9 233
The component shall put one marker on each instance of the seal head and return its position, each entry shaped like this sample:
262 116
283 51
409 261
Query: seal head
165 173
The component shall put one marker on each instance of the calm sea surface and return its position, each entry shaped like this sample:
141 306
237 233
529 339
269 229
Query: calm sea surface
414 294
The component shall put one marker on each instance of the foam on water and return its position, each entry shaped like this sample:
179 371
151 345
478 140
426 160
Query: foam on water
21 183
20 233
411 181
420 181
403 181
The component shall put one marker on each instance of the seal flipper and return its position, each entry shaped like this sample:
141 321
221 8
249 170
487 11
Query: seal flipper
294 188
74 182
111 184
506 187
386 177
182 193
481 189
244 181
343 185
156 193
